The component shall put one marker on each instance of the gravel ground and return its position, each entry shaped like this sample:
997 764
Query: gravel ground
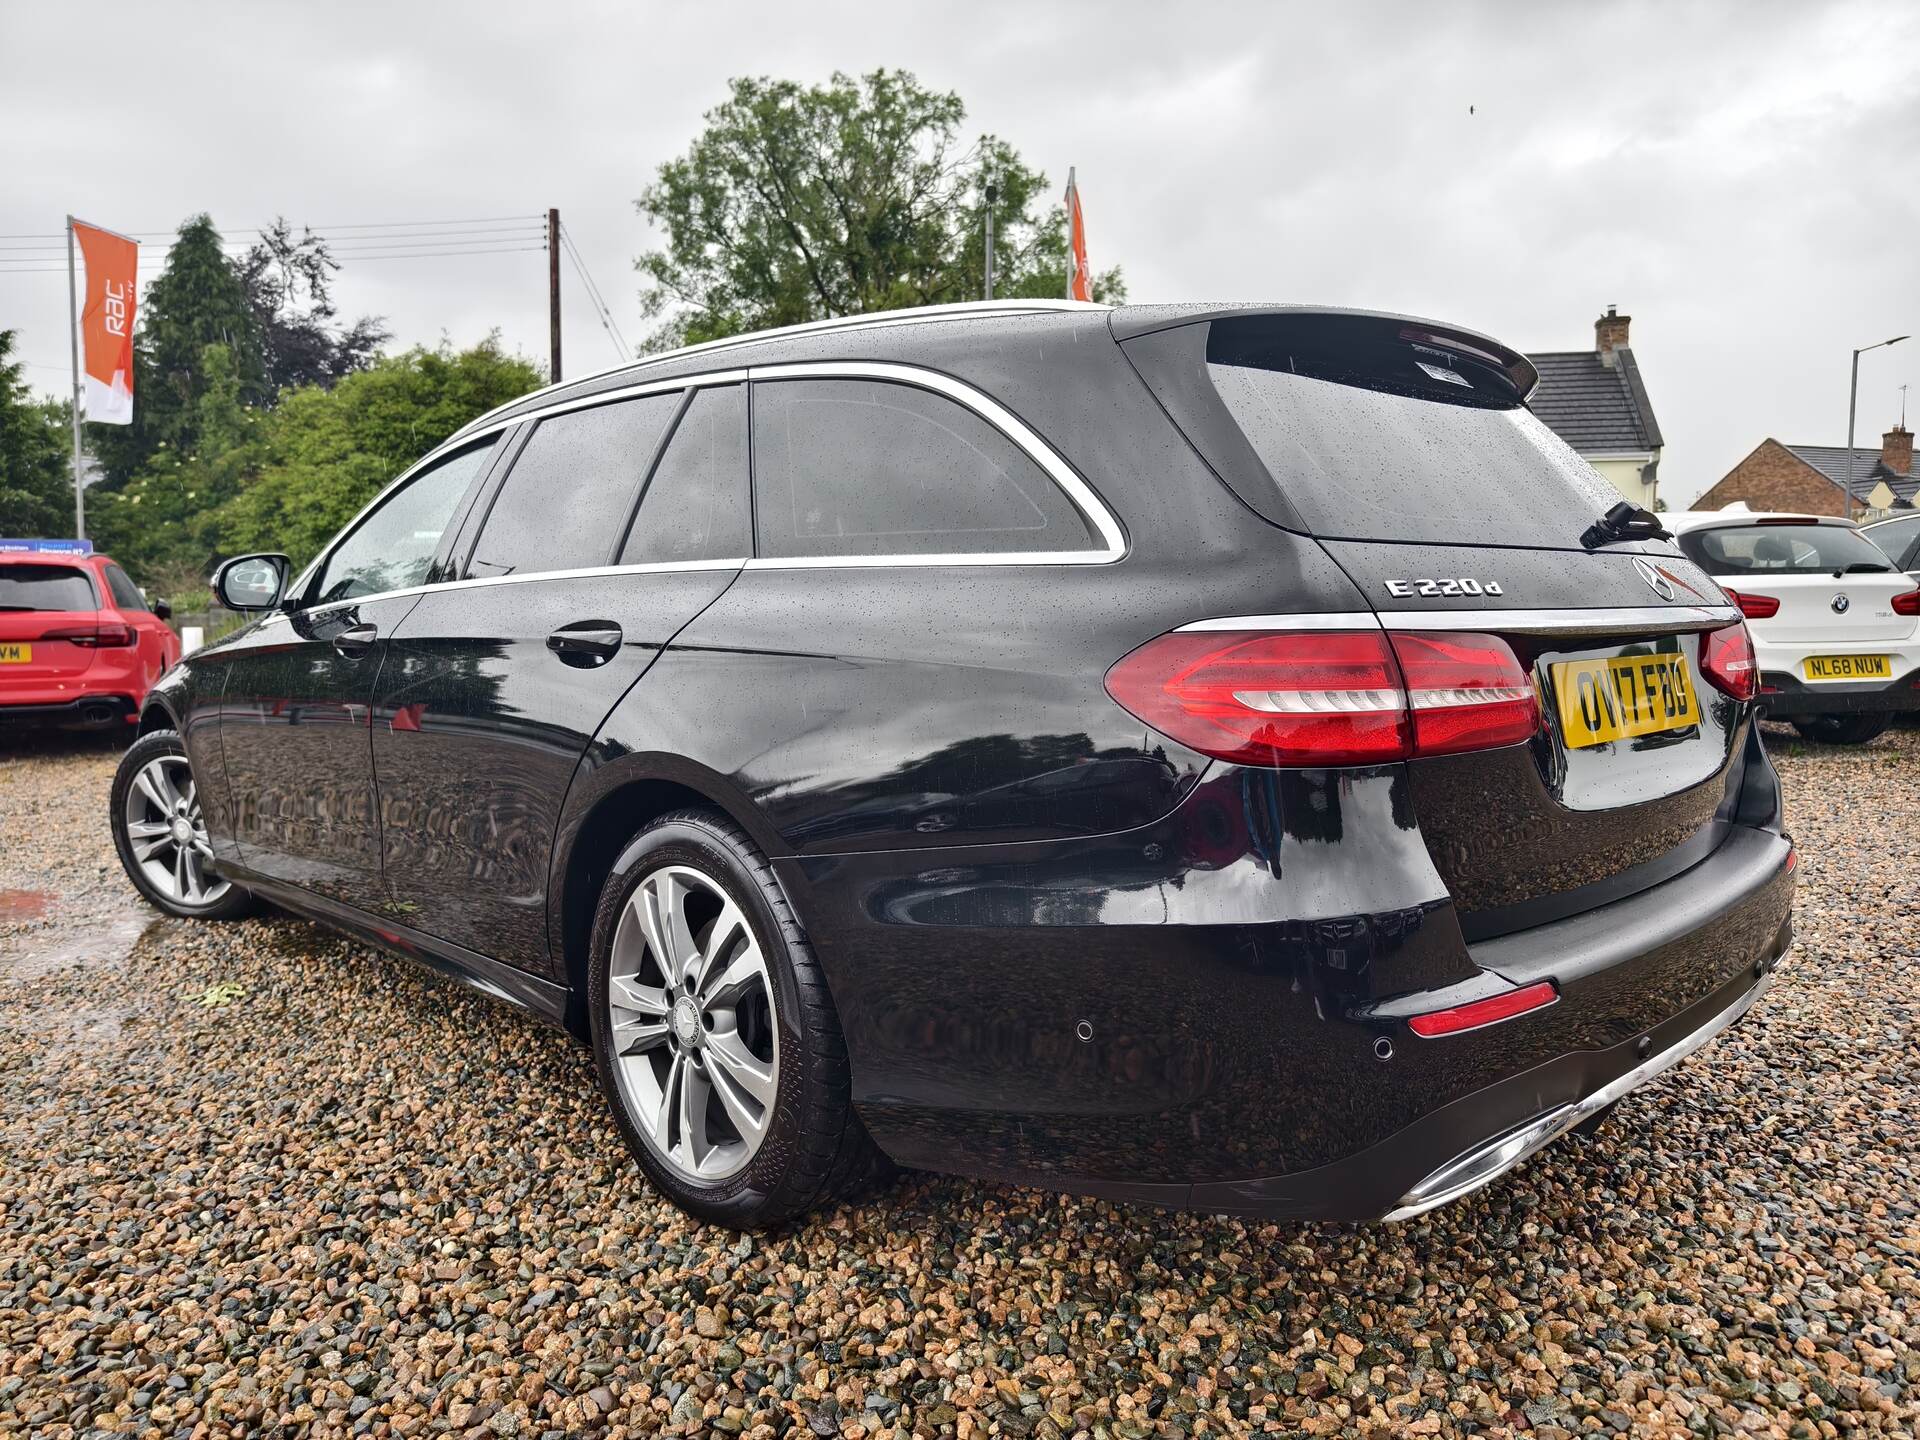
256 1179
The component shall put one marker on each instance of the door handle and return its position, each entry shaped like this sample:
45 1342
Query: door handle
357 641
586 644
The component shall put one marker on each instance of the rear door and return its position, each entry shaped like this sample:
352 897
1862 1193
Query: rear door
616 524
1407 451
154 639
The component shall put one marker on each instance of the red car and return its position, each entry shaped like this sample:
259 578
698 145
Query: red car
79 646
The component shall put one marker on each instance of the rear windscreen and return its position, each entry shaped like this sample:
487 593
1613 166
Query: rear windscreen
1765 549
44 587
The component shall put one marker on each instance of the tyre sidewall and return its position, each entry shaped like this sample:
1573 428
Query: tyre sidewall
138 756
739 1200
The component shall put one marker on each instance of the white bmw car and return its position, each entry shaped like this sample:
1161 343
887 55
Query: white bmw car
1836 627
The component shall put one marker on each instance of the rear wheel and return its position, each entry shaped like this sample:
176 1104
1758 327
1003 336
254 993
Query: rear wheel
160 832
1854 729
714 1036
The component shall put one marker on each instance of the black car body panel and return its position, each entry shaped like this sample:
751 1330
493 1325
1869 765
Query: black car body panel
1065 947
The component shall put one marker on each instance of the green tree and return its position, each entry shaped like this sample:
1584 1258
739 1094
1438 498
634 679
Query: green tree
199 299
801 203
322 454
288 281
36 449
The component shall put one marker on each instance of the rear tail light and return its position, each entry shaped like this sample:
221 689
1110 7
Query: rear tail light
1758 607
1490 1011
1727 660
1327 698
107 635
1907 604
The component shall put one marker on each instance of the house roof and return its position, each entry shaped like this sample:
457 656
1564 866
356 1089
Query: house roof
1596 408
1867 470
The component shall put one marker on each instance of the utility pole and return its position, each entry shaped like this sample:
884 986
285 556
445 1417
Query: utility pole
993 194
73 326
553 292
1853 398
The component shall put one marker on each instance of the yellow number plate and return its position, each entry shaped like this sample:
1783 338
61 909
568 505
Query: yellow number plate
1602 700
11 654
1848 667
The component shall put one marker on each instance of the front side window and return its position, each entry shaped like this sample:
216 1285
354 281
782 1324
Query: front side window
871 467
392 548
126 595
572 487
696 507
1765 549
44 587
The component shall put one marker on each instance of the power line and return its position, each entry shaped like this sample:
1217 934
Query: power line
61 235
428 254
593 293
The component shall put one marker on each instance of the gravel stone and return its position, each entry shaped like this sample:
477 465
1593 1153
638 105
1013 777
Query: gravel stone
359 1200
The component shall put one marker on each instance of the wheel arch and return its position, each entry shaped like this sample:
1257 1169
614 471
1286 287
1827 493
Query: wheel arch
154 715
618 805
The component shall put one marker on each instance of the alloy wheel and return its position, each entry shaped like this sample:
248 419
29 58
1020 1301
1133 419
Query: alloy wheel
167 833
691 1018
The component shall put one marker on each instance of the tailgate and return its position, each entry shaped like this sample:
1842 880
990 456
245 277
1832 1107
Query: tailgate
1626 783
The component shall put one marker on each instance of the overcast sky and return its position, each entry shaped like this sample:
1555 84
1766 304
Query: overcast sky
1742 180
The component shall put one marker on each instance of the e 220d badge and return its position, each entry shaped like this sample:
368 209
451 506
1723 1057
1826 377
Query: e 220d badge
1447 585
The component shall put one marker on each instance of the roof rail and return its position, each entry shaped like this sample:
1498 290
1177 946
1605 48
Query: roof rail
964 310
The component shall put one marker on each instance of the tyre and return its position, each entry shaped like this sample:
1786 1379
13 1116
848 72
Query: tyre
715 1039
161 834
1854 729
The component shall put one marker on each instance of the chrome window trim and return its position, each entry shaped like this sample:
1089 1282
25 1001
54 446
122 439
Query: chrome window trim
587 572
1092 508
917 315
1654 619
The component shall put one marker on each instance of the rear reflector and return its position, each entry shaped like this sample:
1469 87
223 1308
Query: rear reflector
1907 604
1728 661
1755 607
1490 1011
1362 697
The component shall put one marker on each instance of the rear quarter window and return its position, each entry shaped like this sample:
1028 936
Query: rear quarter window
45 587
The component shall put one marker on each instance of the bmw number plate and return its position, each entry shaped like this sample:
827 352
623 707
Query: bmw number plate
1623 696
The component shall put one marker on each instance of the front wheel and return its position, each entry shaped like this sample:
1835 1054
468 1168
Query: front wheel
161 832
714 1037
1854 729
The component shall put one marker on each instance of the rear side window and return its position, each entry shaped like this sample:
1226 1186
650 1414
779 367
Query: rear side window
45 587
696 503
868 467
572 488
126 595
1783 550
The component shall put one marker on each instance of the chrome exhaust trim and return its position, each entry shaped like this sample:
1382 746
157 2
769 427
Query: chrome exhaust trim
1491 1159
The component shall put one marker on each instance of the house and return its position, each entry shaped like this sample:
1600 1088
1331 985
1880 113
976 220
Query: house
1596 401
1817 479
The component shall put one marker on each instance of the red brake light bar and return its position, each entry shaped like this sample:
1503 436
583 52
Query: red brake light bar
1490 1011
1360 697
107 635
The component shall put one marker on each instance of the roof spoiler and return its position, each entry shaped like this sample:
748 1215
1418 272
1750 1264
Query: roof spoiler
1366 325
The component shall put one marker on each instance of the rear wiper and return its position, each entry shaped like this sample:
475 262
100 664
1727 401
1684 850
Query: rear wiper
1864 567
1622 523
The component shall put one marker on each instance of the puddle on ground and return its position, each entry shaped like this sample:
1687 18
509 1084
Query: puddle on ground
106 936
23 904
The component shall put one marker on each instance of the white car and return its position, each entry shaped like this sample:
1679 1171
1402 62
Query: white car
1835 625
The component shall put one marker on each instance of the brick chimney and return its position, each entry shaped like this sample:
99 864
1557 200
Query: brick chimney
1896 450
1610 334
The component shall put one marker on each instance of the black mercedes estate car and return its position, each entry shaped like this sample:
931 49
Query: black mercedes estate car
1228 757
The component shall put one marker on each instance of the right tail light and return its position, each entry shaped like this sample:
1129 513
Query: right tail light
1728 662
1907 604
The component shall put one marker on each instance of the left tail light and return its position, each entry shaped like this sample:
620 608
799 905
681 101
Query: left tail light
1728 661
1296 698
107 635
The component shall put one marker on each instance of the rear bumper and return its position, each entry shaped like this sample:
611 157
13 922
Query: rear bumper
1790 698
89 712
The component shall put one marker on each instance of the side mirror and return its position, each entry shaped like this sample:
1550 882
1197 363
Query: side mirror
162 610
251 582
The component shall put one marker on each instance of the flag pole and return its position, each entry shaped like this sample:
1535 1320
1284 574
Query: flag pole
73 323
1070 263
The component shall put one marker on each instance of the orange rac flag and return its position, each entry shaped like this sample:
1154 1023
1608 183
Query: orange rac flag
1080 276
106 323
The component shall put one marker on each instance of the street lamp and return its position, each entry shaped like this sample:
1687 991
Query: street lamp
1853 398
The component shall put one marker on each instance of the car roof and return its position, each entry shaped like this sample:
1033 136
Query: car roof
1679 521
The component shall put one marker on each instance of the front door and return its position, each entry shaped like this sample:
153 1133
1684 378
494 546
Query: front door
294 717
598 547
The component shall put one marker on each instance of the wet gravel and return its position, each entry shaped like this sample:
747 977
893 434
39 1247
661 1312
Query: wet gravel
254 1179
